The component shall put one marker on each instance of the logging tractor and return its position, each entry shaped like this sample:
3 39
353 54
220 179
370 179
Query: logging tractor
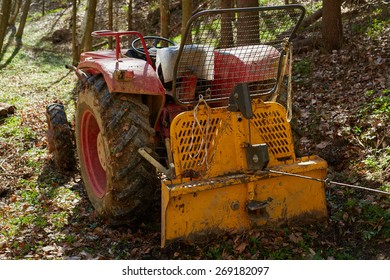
198 126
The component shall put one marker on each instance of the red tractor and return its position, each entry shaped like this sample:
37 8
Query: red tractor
204 114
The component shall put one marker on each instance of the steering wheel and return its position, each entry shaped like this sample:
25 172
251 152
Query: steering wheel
152 49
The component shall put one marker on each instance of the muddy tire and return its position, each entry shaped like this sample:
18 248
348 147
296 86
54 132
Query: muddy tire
60 138
110 128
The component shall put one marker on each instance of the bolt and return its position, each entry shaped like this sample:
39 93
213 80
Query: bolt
255 158
235 205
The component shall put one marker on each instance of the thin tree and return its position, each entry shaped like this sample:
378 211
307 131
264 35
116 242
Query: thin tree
130 18
89 23
130 15
332 28
75 43
14 14
226 25
187 9
164 19
110 21
247 23
43 7
23 19
5 14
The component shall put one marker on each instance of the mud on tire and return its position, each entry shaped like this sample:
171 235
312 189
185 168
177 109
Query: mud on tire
110 128
60 138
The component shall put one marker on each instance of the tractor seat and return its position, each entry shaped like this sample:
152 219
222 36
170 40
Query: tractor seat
197 63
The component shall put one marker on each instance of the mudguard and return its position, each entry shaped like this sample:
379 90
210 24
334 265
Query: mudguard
127 75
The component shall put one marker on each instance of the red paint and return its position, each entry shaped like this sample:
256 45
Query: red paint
89 131
243 64
145 79
187 88
169 112
117 35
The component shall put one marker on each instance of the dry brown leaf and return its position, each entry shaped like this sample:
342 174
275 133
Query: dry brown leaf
295 237
241 248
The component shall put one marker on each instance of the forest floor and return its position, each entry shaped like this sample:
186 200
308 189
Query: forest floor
344 116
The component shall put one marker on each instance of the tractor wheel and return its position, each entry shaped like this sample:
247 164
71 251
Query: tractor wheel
110 128
60 137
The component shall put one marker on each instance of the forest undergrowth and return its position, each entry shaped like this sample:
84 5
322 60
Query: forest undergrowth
344 116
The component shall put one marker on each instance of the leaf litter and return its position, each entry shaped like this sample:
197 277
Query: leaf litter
46 215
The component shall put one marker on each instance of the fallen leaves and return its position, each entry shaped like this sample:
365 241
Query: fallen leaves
323 144
241 247
59 222
295 237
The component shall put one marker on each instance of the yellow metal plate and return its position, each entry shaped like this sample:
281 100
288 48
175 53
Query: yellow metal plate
210 142
215 189
197 208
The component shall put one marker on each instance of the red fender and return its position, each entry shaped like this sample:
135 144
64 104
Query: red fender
129 75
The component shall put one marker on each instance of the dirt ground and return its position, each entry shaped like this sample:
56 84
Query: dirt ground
344 108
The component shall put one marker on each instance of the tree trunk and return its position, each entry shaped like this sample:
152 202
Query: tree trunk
130 15
307 21
12 19
5 11
23 19
89 23
332 29
226 25
247 24
187 9
110 22
43 7
164 20
6 109
130 18
75 43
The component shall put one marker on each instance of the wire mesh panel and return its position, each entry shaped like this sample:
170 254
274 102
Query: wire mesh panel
275 130
202 140
223 48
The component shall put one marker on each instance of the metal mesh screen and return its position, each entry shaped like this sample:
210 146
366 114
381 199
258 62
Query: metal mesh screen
227 47
275 131
193 146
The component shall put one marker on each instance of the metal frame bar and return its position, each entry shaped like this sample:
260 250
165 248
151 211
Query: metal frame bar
233 10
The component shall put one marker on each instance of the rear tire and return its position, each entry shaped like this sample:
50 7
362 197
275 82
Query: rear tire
110 127
60 138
